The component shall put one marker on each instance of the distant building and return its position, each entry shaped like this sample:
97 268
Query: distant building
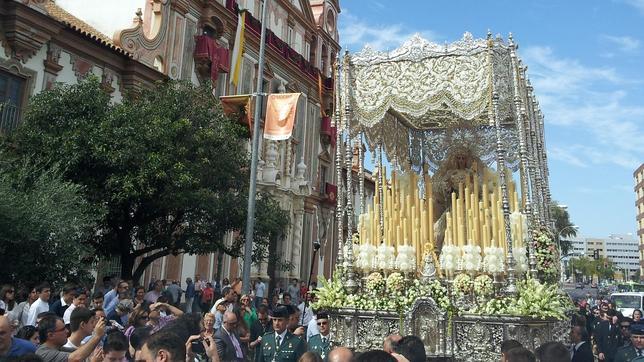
638 175
621 249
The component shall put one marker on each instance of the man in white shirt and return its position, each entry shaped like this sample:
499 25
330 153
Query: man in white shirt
306 312
80 299
294 290
41 304
82 323
260 292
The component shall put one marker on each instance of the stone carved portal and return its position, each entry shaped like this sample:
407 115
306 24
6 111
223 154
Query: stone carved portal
428 322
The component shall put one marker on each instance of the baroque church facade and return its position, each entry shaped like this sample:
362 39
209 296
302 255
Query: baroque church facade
42 43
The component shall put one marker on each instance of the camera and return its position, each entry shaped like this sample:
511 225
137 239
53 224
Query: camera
197 346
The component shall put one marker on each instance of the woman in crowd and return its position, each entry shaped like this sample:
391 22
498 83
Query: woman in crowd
208 323
8 298
139 318
248 312
139 295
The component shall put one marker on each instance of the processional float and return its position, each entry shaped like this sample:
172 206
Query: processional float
449 247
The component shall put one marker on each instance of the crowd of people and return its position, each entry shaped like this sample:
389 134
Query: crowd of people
214 321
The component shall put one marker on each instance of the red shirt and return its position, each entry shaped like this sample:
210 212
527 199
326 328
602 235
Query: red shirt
207 294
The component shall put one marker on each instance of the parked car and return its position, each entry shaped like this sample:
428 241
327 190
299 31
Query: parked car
579 286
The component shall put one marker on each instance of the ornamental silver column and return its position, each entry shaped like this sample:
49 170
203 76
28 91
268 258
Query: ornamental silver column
339 210
520 114
510 282
350 283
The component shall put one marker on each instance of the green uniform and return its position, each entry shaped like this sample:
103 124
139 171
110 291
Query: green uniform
289 350
625 354
317 345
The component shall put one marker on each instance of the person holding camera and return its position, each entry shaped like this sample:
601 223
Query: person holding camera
53 335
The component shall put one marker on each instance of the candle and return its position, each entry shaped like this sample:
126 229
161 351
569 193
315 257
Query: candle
399 235
430 220
448 230
466 212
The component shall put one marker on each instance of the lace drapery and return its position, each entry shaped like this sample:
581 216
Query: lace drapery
415 98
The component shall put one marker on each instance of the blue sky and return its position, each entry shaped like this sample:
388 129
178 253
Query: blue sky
585 59
586 62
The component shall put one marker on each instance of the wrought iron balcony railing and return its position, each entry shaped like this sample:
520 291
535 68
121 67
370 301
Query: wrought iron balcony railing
9 117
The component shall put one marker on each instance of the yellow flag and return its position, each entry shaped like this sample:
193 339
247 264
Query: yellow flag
238 49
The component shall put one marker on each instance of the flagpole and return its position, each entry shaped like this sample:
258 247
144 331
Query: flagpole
252 189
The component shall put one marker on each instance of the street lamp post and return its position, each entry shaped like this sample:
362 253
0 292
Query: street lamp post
561 256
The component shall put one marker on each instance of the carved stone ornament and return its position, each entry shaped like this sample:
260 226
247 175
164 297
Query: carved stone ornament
81 67
107 79
51 61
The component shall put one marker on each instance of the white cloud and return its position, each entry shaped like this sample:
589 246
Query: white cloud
106 16
638 4
592 100
625 44
356 33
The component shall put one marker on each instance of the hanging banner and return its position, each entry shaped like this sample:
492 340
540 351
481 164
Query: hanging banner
241 105
281 109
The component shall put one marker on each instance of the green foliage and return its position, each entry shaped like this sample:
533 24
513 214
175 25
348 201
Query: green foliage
602 267
534 299
170 170
564 228
44 222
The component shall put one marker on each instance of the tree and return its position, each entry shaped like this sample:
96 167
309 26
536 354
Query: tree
585 266
564 228
169 168
43 223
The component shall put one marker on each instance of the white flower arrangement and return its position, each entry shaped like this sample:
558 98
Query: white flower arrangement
483 286
406 260
494 260
375 283
471 259
520 259
395 282
534 299
366 256
449 258
385 257
462 284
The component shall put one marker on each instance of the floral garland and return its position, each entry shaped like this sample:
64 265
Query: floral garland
395 294
546 255
391 294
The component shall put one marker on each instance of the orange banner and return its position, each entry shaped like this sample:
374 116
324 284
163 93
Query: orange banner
281 109
241 105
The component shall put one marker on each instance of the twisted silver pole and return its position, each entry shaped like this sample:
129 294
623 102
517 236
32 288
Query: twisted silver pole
510 287
350 283
520 114
339 209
